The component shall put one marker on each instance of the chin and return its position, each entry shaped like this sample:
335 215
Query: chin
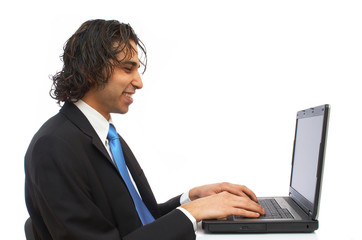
123 111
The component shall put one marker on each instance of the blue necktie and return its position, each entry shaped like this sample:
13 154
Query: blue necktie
116 149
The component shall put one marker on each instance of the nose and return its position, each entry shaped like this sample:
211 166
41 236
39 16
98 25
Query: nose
137 81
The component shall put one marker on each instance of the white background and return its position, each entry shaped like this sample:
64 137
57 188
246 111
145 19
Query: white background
224 82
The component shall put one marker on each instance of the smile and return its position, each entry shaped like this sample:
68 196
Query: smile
129 95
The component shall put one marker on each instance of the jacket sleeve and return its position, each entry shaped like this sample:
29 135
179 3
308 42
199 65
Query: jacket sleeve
170 205
172 226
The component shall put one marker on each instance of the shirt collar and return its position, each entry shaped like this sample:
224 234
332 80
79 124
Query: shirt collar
98 122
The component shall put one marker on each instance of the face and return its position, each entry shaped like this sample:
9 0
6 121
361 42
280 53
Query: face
116 96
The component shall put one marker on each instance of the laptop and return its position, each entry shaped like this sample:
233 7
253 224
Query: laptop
298 212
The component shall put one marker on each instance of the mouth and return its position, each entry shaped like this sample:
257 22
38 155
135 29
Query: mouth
128 95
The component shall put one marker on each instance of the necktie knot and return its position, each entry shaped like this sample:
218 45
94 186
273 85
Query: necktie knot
112 133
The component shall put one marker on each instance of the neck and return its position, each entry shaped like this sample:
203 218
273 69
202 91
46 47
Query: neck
93 104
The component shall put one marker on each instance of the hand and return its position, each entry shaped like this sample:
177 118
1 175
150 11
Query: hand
212 189
221 205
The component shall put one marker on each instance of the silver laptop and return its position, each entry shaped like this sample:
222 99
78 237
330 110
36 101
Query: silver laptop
298 212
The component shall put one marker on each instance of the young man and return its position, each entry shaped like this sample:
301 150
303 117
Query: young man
82 180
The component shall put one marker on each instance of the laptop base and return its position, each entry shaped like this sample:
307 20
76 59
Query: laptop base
217 226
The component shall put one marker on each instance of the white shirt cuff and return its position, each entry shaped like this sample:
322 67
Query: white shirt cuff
192 219
185 198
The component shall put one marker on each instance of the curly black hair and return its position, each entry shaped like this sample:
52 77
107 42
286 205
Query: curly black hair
90 56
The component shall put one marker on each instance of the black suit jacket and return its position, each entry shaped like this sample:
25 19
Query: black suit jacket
73 190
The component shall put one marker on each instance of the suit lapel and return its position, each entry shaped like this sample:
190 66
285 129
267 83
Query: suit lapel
78 118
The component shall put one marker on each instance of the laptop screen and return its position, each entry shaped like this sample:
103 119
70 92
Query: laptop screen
308 157
306 154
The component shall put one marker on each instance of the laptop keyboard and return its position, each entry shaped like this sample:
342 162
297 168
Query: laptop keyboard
272 210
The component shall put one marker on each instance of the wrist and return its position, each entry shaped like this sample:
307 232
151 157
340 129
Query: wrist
193 209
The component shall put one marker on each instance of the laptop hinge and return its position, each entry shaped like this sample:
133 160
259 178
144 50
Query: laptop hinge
310 214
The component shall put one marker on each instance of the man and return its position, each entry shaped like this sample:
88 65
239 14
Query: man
77 185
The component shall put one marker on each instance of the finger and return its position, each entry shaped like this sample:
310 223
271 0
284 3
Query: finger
240 190
250 193
247 204
234 189
246 213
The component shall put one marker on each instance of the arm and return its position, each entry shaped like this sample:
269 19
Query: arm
172 226
168 206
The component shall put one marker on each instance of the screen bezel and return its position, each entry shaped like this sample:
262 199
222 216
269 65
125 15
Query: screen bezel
308 207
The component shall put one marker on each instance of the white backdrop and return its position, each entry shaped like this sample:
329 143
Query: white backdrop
224 82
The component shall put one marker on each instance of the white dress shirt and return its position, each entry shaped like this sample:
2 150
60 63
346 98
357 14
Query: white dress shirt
101 126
